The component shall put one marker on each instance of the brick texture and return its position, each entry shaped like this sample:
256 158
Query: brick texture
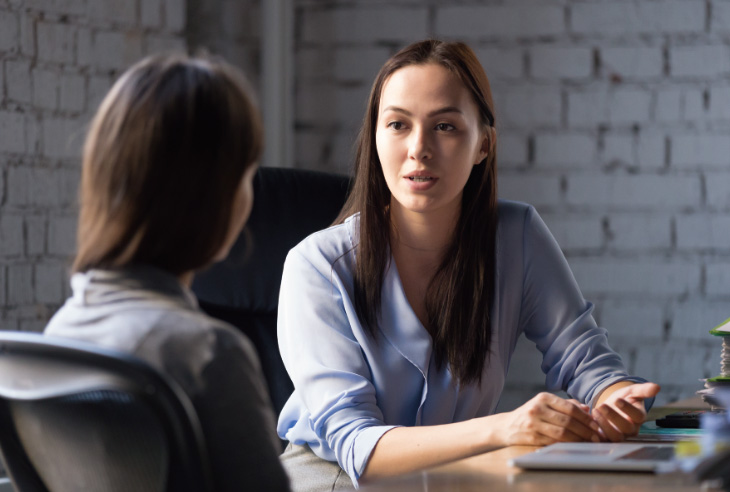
57 60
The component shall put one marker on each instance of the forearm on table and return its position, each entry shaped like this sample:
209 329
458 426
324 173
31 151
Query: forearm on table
407 449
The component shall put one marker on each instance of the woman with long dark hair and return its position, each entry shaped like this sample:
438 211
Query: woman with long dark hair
397 324
166 188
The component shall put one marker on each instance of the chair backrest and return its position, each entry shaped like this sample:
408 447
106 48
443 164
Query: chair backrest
75 417
289 204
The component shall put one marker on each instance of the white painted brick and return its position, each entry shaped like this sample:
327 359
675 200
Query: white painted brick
511 149
637 232
689 151
12 132
720 19
45 89
327 103
719 103
511 20
309 149
668 105
98 87
718 279
679 365
55 42
72 92
587 107
165 44
175 12
651 150
352 25
20 284
699 62
62 236
42 187
633 320
35 231
536 190
66 7
629 106
27 35
631 277
693 319
617 150
569 62
9 28
703 232
527 107
314 65
18 81
113 11
361 64
565 150
62 137
632 62
343 152
694 105
11 235
32 134
84 47
151 13
49 282
637 17
717 185
501 63
115 49
241 19
635 192
573 233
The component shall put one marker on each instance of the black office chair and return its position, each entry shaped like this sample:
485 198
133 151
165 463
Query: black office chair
289 204
74 417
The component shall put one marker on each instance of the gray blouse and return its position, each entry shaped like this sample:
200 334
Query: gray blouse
147 312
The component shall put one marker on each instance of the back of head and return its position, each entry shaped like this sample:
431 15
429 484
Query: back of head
162 163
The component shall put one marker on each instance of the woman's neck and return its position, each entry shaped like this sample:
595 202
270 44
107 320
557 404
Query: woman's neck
427 235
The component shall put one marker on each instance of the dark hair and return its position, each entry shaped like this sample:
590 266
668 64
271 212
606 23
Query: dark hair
461 292
162 164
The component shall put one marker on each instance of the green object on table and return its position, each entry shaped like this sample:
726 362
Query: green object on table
722 330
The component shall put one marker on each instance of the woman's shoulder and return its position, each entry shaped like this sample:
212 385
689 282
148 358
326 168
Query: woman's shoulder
331 243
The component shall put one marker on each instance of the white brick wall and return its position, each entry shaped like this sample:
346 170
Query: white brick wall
57 59
613 120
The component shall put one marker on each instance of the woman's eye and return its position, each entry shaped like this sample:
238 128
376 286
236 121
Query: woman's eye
395 125
445 127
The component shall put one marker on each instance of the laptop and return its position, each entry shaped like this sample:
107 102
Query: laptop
641 457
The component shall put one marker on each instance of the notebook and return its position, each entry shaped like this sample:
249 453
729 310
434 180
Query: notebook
645 457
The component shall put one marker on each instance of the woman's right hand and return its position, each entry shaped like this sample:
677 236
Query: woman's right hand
546 419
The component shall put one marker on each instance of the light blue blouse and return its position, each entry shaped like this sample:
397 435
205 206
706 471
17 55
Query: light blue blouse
350 388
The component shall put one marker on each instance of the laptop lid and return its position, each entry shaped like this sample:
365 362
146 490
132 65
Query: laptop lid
645 457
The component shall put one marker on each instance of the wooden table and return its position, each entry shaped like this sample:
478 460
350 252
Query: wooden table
491 472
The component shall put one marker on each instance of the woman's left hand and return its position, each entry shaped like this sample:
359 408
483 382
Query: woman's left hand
622 412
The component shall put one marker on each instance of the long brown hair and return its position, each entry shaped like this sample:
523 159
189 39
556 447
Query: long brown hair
162 163
460 295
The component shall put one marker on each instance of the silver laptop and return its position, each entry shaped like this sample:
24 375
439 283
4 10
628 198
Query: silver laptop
646 457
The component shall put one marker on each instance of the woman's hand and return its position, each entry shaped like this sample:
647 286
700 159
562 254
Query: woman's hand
547 419
621 413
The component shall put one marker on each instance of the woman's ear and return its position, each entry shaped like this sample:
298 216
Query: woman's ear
487 143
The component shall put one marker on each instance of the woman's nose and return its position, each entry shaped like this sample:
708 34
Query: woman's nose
419 146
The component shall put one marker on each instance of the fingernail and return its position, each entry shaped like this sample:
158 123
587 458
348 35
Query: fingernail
595 438
594 426
621 404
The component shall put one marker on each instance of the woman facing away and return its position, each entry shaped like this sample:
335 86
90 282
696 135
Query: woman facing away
166 188
397 325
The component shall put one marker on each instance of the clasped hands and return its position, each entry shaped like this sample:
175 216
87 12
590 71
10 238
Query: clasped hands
547 418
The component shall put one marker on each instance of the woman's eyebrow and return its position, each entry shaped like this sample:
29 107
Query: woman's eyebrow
445 109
